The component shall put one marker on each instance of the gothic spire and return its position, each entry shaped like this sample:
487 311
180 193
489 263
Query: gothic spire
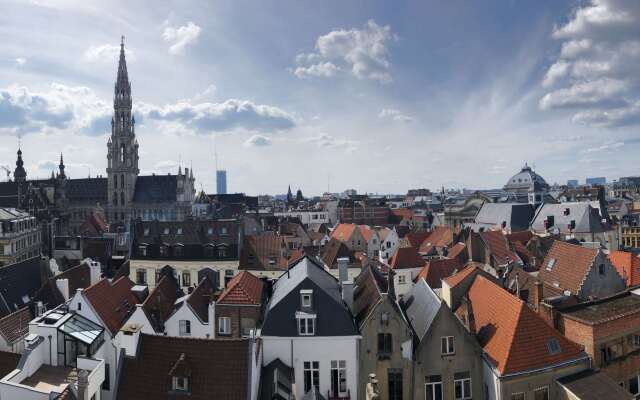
19 174
122 81
61 167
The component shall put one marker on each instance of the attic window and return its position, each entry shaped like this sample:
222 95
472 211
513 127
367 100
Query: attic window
306 296
179 231
180 384
210 231
553 346
166 231
146 231
551 264
601 269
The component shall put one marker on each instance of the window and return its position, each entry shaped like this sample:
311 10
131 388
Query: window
186 278
222 251
338 377
541 393
402 279
394 379
115 181
79 306
385 345
307 325
141 276
166 231
146 231
636 340
142 250
224 326
305 297
311 375
185 327
517 396
122 181
106 384
634 385
223 230
208 251
433 387
446 345
462 385
553 346
121 198
388 245
177 251
601 269
115 198
179 232
210 231
551 264
164 251
180 384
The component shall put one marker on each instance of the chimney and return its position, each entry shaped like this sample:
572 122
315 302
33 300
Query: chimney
83 385
548 313
537 294
347 293
343 268
95 271
391 288
63 287
517 286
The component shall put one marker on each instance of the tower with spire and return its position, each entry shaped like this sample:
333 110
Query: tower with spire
122 148
19 174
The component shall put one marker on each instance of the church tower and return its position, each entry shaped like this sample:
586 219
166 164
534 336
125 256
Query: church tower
122 148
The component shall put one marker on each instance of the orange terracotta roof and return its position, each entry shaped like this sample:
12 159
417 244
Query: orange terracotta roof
461 275
457 250
343 232
113 301
628 266
499 247
244 288
522 237
441 236
515 338
416 238
406 257
264 252
366 231
436 270
571 265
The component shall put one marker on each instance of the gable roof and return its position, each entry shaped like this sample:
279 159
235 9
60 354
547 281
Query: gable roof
406 257
498 247
86 190
585 214
370 286
19 282
514 338
421 306
461 275
15 326
159 305
333 250
200 298
458 250
435 271
263 249
570 266
515 216
415 239
627 264
244 288
441 236
343 232
213 366
112 301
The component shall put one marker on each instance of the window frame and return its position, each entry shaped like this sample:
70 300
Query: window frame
461 382
544 389
433 384
184 327
309 322
224 322
311 375
447 345
339 368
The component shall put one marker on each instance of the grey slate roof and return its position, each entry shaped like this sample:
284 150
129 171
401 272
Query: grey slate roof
333 318
87 190
18 283
156 189
421 306
592 385
517 216
586 217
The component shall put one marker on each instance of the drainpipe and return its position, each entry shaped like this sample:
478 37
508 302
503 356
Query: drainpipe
50 357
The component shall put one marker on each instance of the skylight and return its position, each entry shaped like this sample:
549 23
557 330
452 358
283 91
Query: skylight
551 264
553 346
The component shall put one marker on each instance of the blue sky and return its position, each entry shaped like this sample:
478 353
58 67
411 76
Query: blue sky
376 95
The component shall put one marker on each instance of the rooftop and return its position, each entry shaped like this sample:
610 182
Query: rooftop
603 310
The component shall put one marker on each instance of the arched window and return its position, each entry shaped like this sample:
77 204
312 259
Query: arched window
121 198
115 181
115 198
122 181
122 148
122 121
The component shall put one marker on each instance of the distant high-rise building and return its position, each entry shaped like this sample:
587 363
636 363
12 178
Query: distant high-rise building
221 181
572 182
601 180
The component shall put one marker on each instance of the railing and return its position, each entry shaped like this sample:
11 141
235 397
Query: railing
331 396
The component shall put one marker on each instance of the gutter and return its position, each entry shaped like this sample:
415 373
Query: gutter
532 371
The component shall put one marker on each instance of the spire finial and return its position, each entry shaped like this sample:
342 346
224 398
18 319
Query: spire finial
122 41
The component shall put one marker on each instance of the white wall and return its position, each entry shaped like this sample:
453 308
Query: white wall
296 350
491 381
198 329
139 317
409 275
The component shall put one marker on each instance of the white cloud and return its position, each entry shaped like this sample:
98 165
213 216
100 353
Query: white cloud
181 37
597 70
257 141
604 147
395 115
332 142
21 60
363 51
106 53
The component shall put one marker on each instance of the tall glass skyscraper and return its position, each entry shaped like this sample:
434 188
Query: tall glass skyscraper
221 181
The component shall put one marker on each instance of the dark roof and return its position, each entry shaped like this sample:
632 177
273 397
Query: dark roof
8 362
370 285
593 385
200 298
19 282
87 190
333 316
215 367
156 189
15 326
113 301
159 305
435 271
406 257
276 377
515 216
606 309
79 277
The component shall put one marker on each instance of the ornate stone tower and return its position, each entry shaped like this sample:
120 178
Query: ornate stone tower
122 148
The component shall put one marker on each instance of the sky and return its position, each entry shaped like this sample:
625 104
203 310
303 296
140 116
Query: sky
379 96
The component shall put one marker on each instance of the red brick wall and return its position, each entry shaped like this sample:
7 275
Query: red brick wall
236 313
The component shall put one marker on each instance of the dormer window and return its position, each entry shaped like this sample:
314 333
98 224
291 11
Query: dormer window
306 323
166 231
553 346
180 384
305 298
146 231
179 231
210 231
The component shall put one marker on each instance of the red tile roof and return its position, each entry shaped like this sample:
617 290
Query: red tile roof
571 265
514 337
436 270
406 257
343 232
461 275
113 302
366 231
200 298
441 236
498 246
628 266
159 305
522 237
260 250
415 239
458 250
244 288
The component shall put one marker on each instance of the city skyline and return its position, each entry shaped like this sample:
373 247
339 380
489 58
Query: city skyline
287 109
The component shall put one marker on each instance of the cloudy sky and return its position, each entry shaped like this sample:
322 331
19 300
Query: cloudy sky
376 95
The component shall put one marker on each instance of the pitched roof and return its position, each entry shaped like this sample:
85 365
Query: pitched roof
266 251
566 265
200 298
366 231
156 189
369 288
86 190
586 216
244 288
416 238
593 385
441 236
333 250
15 326
406 257
421 306
461 275
627 264
515 216
19 282
213 366
343 232
435 271
513 336
159 305
458 250
113 301
498 246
